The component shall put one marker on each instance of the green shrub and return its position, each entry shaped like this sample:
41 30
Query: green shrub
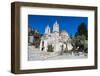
50 48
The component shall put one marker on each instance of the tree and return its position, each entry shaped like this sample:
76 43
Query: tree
82 30
37 36
80 39
50 48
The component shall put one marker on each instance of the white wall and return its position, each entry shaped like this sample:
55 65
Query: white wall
5 33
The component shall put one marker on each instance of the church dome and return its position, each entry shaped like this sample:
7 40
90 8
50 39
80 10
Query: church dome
64 33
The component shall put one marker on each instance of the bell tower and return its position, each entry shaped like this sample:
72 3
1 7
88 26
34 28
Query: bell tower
56 27
47 30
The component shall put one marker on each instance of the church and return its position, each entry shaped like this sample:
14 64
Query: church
59 41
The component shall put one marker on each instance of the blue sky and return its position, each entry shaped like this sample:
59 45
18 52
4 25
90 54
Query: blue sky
68 23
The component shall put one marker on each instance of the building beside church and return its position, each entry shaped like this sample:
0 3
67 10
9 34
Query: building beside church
59 41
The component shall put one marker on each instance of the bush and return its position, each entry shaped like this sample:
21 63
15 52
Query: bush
50 48
81 42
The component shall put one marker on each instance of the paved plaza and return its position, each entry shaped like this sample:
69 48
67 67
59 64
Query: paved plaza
41 55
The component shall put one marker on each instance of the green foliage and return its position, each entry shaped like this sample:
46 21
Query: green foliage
81 38
50 48
66 50
37 42
82 30
36 35
81 42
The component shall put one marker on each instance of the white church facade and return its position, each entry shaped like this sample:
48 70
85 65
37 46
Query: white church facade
58 40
